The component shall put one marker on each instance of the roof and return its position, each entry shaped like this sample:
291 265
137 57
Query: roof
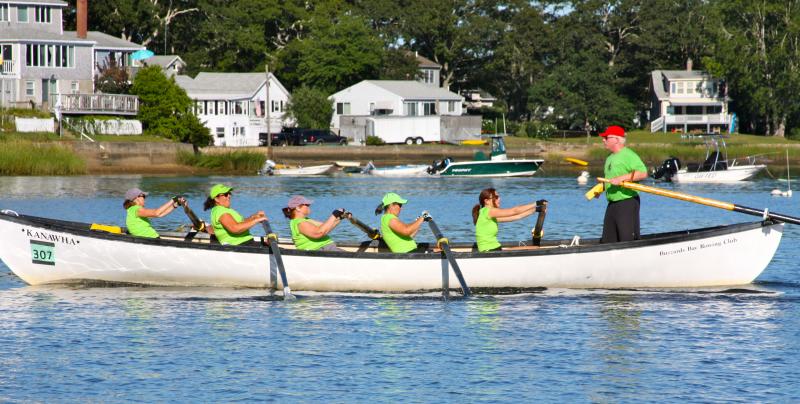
27 35
422 61
48 2
684 74
163 60
229 85
412 89
105 41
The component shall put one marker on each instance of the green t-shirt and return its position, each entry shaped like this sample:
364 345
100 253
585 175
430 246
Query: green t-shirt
139 226
396 242
219 230
303 242
486 231
622 162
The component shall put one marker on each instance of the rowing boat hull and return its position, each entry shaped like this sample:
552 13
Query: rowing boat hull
42 252
419 170
301 171
731 174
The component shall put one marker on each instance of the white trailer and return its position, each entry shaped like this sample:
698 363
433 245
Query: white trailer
405 129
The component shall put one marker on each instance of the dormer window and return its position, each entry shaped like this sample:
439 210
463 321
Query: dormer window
42 14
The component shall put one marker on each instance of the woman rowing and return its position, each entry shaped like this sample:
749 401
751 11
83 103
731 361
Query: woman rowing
229 226
398 236
138 217
308 234
487 213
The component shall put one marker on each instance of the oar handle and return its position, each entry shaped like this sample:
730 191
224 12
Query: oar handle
198 224
707 201
373 234
538 230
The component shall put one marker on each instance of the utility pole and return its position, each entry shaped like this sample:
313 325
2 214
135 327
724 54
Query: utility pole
266 113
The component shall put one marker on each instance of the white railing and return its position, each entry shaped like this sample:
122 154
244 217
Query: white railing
8 67
714 119
657 124
118 104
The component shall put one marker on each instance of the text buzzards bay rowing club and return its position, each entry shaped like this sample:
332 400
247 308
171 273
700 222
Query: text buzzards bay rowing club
701 246
57 238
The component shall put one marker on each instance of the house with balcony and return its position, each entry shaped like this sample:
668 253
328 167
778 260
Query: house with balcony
44 66
238 107
688 100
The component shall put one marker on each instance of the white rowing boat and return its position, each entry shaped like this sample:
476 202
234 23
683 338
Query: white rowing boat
400 171
43 251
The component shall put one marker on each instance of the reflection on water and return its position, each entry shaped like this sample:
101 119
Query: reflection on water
180 344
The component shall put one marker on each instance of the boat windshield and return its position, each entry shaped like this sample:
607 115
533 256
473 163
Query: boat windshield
715 145
498 146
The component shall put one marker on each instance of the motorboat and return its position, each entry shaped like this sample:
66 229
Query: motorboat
498 165
716 168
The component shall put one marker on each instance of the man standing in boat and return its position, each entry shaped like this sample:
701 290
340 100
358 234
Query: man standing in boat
621 222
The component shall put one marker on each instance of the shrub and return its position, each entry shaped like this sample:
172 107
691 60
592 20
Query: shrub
234 162
374 141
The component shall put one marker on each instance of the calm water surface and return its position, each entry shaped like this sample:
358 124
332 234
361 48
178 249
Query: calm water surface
69 344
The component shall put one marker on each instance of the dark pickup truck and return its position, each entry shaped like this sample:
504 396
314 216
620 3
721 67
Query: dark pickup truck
301 137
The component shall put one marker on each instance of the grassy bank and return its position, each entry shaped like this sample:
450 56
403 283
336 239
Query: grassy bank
235 162
25 157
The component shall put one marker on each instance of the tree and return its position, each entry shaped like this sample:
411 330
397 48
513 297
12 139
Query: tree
165 109
757 50
310 108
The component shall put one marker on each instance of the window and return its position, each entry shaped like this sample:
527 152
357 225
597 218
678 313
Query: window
680 87
238 107
451 106
40 55
73 87
342 108
427 76
22 13
674 88
201 107
694 110
410 109
30 87
220 132
3 12
41 14
428 108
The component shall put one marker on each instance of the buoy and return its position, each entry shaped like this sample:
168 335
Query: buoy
776 192
583 178
576 161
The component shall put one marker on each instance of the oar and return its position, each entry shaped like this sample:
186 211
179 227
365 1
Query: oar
198 224
272 242
373 234
444 244
708 202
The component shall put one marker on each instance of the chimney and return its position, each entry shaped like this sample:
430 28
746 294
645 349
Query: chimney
689 64
82 18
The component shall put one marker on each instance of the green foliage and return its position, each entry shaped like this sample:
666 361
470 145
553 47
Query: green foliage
165 109
311 108
375 141
536 129
24 157
240 162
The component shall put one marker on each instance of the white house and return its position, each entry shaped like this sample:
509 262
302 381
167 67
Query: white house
414 110
429 71
171 65
686 100
232 105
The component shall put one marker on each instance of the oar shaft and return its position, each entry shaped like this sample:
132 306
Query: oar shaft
444 244
708 202
372 233
272 242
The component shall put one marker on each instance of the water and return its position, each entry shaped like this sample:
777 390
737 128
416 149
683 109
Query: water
78 344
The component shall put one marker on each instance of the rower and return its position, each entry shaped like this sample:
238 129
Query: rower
307 234
138 217
398 236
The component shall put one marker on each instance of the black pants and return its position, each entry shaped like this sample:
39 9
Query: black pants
622 221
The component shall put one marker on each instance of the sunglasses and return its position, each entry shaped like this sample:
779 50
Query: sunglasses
228 194
142 196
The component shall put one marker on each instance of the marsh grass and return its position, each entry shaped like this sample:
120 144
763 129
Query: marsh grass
24 157
241 162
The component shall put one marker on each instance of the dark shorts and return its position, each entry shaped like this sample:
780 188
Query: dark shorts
621 222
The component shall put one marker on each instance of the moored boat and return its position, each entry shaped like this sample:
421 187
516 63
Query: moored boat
497 166
399 171
41 251
716 168
272 169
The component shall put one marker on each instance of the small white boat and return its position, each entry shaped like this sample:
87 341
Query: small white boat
270 168
406 170
43 251
350 164
715 169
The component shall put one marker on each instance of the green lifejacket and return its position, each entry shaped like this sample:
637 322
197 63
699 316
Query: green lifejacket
219 230
139 226
486 231
303 242
397 243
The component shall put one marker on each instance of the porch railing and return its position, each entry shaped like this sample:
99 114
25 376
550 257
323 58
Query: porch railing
114 104
8 67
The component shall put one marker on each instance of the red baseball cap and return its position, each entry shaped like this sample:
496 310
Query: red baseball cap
614 130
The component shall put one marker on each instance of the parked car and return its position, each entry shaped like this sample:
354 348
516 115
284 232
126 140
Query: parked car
301 137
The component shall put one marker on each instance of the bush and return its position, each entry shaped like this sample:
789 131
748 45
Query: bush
233 162
375 141
536 130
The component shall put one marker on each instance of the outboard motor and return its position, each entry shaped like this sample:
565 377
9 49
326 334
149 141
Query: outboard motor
668 169
438 165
